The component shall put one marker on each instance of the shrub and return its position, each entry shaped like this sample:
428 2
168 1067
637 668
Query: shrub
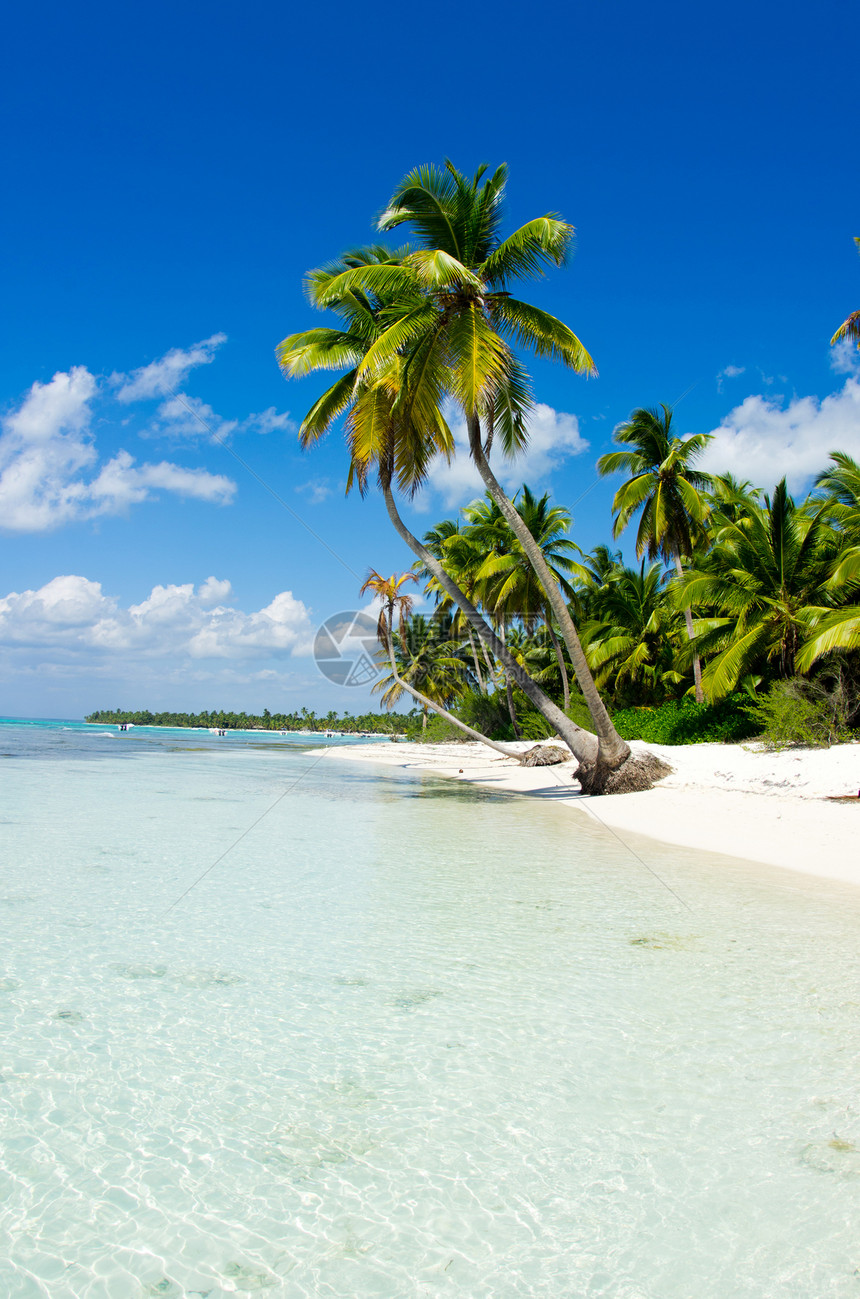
805 714
683 721
438 731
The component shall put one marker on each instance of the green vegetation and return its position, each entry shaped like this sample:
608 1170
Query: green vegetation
683 721
305 720
743 614
808 714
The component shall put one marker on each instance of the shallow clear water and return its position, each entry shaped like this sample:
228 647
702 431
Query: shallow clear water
404 1039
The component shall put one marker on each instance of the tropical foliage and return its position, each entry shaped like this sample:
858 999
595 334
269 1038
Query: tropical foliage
735 589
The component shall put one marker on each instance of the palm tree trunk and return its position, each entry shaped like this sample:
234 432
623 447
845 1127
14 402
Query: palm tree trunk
612 750
509 693
491 671
512 712
475 659
582 744
691 635
562 667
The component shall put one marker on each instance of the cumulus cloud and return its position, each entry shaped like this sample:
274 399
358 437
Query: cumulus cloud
553 437
165 375
762 439
49 464
70 620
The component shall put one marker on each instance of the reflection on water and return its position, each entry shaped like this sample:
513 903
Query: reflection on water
406 1038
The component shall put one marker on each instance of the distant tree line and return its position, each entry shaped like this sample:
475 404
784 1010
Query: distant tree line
304 720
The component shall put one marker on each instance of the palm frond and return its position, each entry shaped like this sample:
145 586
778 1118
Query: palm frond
527 252
541 333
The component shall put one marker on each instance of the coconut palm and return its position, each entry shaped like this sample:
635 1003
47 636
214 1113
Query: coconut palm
732 499
767 579
506 577
452 327
396 604
667 490
394 425
634 642
427 659
850 328
451 548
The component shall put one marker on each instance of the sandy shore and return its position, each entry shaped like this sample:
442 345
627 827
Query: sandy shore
725 798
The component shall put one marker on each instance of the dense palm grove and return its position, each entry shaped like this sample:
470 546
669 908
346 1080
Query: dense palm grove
759 589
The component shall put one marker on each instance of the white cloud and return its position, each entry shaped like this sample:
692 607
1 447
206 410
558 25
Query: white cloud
165 375
730 372
71 621
270 421
845 357
184 418
761 440
553 437
317 490
189 419
46 449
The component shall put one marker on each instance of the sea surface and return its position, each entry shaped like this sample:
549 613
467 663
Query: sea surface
277 1024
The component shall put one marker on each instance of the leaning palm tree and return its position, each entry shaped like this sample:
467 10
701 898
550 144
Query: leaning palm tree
850 327
397 431
665 487
396 605
449 329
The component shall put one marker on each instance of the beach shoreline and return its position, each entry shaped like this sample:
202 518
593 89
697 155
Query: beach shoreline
731 799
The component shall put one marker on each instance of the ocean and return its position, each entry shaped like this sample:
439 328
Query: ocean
282 1025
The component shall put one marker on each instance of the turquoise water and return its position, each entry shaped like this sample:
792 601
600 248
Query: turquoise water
403 1039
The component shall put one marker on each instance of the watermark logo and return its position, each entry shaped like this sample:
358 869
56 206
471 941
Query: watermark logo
347 650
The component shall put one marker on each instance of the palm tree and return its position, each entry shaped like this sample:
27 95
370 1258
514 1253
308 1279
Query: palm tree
470 334
396 430
850 328
508 580
397 604
734 500
667 490
448 331
634 640
767 579
447 544
427 659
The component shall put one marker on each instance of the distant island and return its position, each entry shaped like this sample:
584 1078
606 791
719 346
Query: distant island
304 720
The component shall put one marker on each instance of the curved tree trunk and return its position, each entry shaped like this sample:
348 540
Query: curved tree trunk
691 635
562 666
509 693
582 744
475 659
615 768
612 750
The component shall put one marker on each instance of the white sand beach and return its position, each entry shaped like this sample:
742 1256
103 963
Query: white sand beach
724 798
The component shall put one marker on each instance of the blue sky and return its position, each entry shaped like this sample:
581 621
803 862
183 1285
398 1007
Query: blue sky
173 172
